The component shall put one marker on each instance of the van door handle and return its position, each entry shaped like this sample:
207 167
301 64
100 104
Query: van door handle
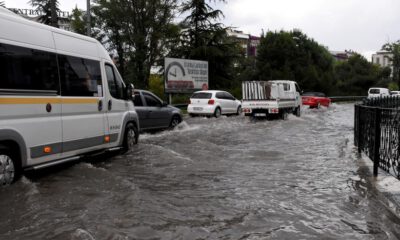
100 105
109 105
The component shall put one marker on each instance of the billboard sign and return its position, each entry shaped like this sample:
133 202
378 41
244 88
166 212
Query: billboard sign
185 76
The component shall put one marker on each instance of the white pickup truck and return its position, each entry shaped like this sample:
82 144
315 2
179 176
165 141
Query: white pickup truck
269 98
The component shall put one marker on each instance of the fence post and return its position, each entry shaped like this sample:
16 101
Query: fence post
377 140
359 145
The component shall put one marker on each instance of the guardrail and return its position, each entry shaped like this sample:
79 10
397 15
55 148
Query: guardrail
347 98
377 132
180 106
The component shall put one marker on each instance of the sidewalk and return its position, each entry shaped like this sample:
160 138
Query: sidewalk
387 185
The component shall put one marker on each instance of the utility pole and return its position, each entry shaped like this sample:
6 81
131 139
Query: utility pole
53 9
88 18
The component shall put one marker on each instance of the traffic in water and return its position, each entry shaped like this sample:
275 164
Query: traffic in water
225 178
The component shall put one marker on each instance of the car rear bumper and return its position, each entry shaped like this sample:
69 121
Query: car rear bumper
311 104
201 110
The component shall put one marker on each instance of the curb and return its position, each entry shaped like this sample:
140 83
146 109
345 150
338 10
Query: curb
387 186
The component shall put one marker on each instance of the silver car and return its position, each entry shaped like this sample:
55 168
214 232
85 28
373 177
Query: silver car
155 114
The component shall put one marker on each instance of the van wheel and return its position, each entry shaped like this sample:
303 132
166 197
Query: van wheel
9 171
175 122
217 112
131 137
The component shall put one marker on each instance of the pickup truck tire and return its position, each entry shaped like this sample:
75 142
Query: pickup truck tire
217 112
9 168
284 115
297 111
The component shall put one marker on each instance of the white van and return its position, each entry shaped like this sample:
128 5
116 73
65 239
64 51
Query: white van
378 92
61 98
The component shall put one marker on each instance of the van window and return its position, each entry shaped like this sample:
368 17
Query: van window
28 69
374 91
80 77
115 83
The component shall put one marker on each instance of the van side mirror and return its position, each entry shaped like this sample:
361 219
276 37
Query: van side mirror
129 91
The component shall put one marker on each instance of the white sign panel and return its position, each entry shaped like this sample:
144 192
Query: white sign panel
183 75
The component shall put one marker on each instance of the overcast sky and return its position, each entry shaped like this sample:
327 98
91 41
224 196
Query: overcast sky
359 25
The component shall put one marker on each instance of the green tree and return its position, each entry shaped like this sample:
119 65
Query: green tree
203 38
49 8
292 55
137 30
393 86
156 85
108 29
78 23
394 49
357 75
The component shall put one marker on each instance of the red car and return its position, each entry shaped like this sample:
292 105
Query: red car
315 99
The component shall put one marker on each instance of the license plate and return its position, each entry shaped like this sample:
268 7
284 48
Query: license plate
198 108
260 114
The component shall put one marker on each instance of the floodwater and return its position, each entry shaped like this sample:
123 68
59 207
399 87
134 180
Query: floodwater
226 178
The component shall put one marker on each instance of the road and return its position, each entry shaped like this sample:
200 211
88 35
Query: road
226 178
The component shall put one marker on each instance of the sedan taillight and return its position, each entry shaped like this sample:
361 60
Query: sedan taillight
211 102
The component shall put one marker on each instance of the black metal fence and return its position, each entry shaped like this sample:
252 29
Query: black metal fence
377 132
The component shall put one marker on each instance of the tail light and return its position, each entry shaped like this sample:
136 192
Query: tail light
211 102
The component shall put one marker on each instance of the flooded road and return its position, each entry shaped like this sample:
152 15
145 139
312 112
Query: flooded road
226 178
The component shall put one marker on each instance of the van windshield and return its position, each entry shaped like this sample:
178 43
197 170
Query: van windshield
201 95
374 91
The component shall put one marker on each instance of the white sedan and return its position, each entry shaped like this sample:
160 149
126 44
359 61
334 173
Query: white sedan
213 103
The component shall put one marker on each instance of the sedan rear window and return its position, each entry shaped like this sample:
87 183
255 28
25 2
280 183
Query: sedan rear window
201 95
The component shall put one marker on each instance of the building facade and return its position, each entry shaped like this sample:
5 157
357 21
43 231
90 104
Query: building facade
248 43
34 15
382 58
